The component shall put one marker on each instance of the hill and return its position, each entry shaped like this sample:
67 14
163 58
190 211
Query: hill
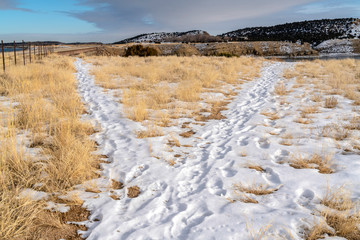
190 36
313 32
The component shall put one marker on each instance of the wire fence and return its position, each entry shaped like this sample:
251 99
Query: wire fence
23 53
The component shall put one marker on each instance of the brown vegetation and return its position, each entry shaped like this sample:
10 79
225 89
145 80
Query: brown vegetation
48 114
254 188
133 192
159 90
323 162
340 214
331 77
330 102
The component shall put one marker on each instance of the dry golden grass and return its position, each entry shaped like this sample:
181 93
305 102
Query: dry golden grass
354 123
341 216
163 89
187 134
173 141
116 184
151 131
286 142
17 215
133 192
334 76
48 111
271 115
280 89
304 119
338 199
243 153
323 162
316 98
336 131
309 110
260 234
330 102
255 188
255 167
287 139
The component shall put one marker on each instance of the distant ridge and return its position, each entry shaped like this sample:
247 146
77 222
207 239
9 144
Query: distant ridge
165 37
313 32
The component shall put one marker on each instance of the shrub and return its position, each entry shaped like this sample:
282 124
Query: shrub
139 50
330 102
225 54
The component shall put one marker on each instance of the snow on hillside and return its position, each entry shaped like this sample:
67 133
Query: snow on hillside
160 37
196 199
312 32
335 46
354 30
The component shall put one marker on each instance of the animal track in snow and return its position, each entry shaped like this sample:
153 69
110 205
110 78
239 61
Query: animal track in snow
279 155
262 142
182 202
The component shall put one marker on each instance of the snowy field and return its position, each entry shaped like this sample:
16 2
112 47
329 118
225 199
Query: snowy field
211 193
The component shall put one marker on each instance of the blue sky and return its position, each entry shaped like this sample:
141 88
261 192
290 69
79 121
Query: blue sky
113 20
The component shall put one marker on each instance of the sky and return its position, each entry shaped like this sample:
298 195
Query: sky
113 20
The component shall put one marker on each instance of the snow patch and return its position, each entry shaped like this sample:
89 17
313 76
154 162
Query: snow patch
335 46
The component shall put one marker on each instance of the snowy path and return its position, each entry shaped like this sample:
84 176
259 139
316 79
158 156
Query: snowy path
190 201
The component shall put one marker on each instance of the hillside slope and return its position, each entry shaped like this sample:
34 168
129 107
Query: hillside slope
313 32
162 36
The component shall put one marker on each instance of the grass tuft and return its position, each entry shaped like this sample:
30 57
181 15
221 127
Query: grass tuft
330 102
323 162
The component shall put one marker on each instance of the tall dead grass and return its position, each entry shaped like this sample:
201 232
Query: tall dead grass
333 76
160 89
321 161
46 116
340 214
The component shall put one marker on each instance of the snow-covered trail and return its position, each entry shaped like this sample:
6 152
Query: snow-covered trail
189 201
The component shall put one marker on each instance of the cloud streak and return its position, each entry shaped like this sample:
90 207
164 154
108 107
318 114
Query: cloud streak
113 20
12 5
173 15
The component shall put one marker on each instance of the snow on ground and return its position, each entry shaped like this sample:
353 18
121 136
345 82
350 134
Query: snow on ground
194 199
335 46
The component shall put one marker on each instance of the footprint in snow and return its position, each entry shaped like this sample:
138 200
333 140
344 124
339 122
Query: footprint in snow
242 141
246 129
279 155
215 186
262 143
305 196
268 122
272 176
135 172
227 170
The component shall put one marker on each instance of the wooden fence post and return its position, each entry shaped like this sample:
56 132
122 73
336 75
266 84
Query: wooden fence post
15 52
23 47
30 51
3 57
34 52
